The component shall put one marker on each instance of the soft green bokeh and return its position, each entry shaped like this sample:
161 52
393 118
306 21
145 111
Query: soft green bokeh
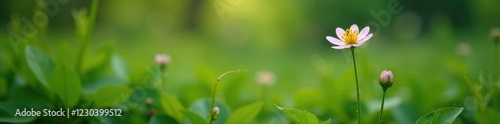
441 53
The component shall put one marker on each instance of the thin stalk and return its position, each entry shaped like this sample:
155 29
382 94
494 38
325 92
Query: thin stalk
381 108
210 113
212 104
358 102
495 63
84 43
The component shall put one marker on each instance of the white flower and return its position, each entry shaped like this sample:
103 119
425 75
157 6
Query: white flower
350 37
162 59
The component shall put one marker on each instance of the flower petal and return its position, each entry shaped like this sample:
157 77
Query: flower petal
363 33
362 41
359 44
341 47
354 27
339 32
335 41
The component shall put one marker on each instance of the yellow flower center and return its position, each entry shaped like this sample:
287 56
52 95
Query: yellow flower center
350 36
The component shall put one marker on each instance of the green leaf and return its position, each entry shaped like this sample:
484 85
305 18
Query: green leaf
162 119
25 95
40 64
64 53
329 121
441 116
245 114
65 83
97 64
111 95
172 106
193 118
120 68
202 108
92 87
8 112
299 116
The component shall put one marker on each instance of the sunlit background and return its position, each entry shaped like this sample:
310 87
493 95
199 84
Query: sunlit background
432 46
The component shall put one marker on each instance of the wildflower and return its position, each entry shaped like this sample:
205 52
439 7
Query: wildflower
386 79
351 37
162 59
265 78
216 113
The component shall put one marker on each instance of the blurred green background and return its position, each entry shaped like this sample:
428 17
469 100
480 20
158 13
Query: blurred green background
432 47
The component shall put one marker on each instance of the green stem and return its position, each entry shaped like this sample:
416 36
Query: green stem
84 41
358 102
382 108
495 64
212 104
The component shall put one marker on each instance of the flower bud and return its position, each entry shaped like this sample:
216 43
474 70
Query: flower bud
215 113
149 101
162 59
495 33
386 79
265 78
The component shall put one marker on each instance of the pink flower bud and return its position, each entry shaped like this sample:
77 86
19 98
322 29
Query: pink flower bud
162 59
265 78
386 79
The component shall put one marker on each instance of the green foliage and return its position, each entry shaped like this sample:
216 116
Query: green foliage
65 83
329 121
92 87
194 118
58 65
8 110
245 114
3 87
120 68
299 116
111 95
40 64
441 116
489 116
162 119
172 107
202 108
